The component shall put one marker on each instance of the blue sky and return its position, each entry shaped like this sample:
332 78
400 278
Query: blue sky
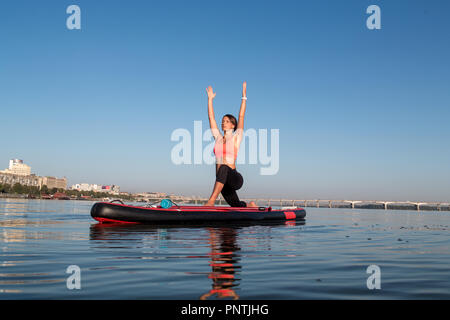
362 114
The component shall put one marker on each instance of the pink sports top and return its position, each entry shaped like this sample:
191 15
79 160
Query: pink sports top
226 150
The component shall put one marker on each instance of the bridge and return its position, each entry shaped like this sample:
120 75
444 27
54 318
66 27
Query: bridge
321 203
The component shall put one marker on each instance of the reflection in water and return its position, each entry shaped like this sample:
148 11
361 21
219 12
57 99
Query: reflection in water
224 258
120 231
23 220
21 230
224 263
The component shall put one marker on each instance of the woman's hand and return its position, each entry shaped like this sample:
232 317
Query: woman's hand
211 94
244 89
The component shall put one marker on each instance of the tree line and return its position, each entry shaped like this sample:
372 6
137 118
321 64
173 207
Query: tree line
18 188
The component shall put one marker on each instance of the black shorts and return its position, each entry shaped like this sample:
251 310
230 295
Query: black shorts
232 181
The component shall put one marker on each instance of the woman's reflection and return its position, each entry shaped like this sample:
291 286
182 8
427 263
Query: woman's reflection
224 256
224 263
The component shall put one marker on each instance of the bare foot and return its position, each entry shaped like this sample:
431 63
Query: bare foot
252 204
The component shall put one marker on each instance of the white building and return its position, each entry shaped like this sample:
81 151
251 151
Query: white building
96 188
16 166
18 172
82 187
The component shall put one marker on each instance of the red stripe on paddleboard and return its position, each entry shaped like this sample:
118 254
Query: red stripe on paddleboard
290 214
106 220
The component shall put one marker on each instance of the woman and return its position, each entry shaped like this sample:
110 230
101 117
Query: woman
228 180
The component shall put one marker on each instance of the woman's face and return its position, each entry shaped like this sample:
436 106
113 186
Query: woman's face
227 124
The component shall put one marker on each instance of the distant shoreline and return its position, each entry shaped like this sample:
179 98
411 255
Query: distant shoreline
28 197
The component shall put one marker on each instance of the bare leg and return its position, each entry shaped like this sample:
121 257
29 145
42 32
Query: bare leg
218 186
252 204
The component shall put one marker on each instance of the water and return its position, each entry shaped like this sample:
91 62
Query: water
326 257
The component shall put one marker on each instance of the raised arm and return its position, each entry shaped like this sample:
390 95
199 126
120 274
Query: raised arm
212 121
240 124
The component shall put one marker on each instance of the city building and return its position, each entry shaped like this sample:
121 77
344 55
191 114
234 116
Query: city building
113 189
18 172
52 182
12 179
17 167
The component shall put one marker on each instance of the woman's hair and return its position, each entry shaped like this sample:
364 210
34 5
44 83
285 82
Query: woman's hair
232 120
